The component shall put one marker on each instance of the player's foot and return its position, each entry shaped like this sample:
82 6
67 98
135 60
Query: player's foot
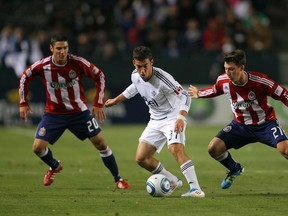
230 178
194 192
175 185
49 176
122 184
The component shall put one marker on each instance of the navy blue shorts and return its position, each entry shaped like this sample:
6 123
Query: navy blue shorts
83 125
237 135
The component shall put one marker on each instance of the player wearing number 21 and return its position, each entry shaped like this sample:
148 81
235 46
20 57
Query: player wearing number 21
66 106
168 105
254 119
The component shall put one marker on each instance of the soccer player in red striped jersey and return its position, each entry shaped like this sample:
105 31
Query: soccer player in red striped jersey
254 119
66 106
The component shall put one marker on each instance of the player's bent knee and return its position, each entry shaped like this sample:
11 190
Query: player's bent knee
283 148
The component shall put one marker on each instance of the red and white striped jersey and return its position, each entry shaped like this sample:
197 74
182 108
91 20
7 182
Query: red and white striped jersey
249 103
63 84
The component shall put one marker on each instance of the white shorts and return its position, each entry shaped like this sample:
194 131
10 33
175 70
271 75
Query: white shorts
160 132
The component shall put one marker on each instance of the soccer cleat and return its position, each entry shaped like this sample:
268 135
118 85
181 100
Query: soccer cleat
230 178
194 192
122 184
49 177
175 185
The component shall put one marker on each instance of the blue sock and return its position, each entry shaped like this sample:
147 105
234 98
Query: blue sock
230 164
47 157
111 164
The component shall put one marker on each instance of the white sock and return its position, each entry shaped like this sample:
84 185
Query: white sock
188 171
160 169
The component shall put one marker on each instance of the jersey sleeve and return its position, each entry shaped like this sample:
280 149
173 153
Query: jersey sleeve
172 87
25 79
278 92
100 83
130 91
211 91
185 101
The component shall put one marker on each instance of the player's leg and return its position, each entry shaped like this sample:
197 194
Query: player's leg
282 147
217 150
49 130
108 159
44 153
145 158
176 144
232 136
186 166
84 125
152 140
273 135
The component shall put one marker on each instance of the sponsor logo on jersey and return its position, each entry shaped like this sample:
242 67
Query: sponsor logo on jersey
42 131
57 85
151 103
242 104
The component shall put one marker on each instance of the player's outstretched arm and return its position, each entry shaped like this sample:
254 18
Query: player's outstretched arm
113 101
24 111
193 91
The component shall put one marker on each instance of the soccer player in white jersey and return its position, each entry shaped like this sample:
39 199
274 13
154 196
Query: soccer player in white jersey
168 105
254 119
66 106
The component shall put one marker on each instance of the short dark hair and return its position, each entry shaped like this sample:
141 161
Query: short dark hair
141 53
238 57
57 37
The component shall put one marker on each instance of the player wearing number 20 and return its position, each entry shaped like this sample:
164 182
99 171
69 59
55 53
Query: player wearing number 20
66 106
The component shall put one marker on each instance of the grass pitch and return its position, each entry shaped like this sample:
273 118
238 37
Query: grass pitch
85 186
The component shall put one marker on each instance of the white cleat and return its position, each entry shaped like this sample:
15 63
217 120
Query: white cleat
194 192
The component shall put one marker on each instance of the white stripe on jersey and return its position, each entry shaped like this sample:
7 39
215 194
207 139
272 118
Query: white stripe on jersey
48 77
101 93
64 93
261 80
206 92
78 58
76 89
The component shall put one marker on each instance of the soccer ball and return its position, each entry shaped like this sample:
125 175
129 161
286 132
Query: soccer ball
158 185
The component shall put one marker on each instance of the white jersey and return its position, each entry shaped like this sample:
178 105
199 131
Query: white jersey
162 93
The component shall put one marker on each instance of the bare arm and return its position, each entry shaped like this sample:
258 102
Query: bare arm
116 100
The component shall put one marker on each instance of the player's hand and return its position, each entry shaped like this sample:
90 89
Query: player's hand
99 114
193 91
24 111
110 102
179 126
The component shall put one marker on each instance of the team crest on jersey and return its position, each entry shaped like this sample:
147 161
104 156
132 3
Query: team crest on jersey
153 93
251 95
227 129
42 131
72 74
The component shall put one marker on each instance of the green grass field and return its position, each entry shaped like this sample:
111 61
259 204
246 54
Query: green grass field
85 186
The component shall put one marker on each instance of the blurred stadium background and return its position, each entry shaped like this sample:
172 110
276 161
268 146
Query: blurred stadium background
188 38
